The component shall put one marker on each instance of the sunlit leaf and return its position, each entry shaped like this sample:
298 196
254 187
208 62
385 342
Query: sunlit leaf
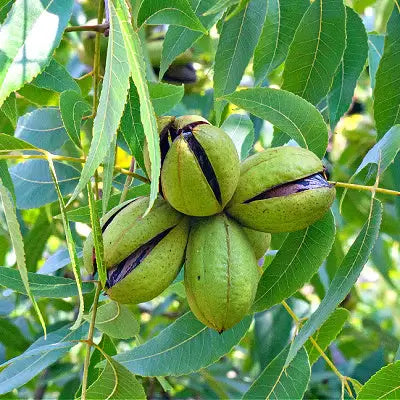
42 285
73 107
278 381
238 39
137 68
298 259
18 245
316 50
288 112
341 94
386 92
172 12
35 31
112 99
9 108
383 385
345 277
170 352
281 22
327 333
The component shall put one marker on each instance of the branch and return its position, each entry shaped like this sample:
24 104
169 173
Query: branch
100 28
342 378
354 186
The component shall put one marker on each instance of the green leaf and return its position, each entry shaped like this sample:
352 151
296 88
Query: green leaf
82 214
298 259
178 38
18 245
220 5
30 49
238 39
341 94
33 184
281 22
345 277
9 108
116 320
278 381
172 12
115 382
272 330
56 77
131 125
240 129
5 7
11 337
138 68
287 112
171 351
108 174
386 92
383 385
5 178
383 153
70 245
327 333
375 51
43 128
42 285
165 96
112 100
316 50
9 143
73 107
41 354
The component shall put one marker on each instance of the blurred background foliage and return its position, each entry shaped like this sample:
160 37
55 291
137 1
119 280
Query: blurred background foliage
370 337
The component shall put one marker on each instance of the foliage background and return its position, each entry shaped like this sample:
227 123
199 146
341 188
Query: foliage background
335 58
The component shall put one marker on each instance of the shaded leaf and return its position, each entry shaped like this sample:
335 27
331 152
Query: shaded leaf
131 125
238 39
34 186
298 259
278 381
172 12
42 285
327 333
386 92
112 100
375 51
287 112
340 96
56 77
116 320
281 22
30 49
39 356
220 5
345 277
56 261
316 50
240 129
43 128
171 351
178 38
73 107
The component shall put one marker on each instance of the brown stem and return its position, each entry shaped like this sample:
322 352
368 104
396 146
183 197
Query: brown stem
101 28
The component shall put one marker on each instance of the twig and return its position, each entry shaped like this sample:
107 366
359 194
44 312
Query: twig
342 378
89 341
363 187
100 28
128 181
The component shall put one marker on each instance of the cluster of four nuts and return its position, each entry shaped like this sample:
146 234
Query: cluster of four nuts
217 217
